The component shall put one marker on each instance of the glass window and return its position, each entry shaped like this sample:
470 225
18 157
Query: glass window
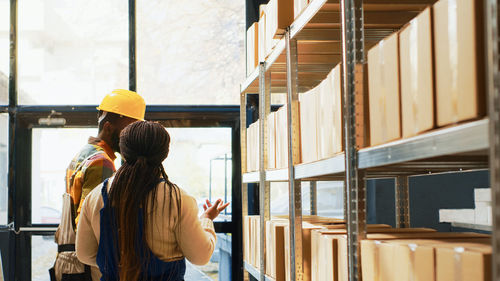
71 51
44 252
53 149
4 166
329 194
190 52
43 255
196 163
4 50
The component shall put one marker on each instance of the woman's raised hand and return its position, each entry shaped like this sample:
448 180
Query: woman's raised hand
212 211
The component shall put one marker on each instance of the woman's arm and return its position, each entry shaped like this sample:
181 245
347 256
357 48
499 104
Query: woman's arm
86 241
196 237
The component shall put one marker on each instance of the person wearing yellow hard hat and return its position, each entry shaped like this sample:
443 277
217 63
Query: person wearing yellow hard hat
93 164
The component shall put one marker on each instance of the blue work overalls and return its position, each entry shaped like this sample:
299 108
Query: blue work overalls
107 254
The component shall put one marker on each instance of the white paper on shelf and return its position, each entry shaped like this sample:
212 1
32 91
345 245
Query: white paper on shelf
457 215
483 215
482 194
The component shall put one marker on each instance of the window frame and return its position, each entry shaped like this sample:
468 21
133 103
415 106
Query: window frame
22 119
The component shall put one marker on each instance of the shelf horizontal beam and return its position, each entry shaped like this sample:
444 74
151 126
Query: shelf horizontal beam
330 166
472 226
255 272
460 139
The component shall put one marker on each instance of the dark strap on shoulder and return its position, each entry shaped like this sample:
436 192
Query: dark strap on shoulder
66 248
104 191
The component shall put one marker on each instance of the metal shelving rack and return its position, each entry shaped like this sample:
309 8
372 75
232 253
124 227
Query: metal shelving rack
326 33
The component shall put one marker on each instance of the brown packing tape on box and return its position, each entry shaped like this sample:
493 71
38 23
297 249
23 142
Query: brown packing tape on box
459 60
416 69
384 96
463 262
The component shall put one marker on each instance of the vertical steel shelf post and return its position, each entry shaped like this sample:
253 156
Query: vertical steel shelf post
493 88
264 190
313 197
353 59
243 151
294 186
402 201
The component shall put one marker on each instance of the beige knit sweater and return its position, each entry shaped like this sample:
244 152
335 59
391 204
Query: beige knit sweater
195 239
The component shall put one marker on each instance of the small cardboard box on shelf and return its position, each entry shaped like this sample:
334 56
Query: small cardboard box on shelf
384 97
330 115
309 125
271 144
417 85
252 47
464 262
415 254
459 60
279 17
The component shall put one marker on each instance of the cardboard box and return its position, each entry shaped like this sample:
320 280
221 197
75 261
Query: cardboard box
330 115
271 144
266 36
253 147
416 66
402 259
262 51
298 7
275 249
323 259
309 125
281 138
342 259
306 250
279 17
463 262
459 60
252 47
246 239
384 97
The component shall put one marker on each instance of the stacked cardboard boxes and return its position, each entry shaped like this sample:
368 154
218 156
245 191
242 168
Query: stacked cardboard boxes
281 138
253 147
383 83
428 74
394 259
321 119
299 6
459 56
252 47
251 240
417 85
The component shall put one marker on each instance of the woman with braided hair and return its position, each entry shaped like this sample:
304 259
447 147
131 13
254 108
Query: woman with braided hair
138 225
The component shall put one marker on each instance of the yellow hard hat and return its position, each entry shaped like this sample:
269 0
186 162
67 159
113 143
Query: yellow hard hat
124 102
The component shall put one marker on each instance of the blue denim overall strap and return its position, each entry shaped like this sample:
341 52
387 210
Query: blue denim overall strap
107 254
